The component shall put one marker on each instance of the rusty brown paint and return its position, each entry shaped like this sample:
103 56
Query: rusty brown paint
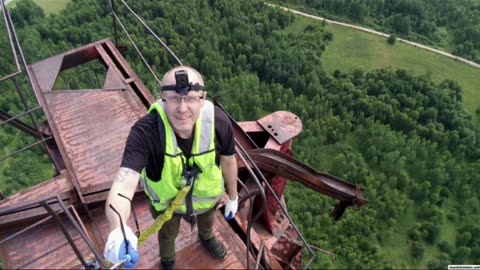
59 185
113 81
258 235
131 77
286 250
282 126
251 126
46 72
44 247
285 166
90 128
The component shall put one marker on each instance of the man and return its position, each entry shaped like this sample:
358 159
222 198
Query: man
183 140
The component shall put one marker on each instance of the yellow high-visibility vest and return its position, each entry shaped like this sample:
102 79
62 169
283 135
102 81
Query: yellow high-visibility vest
208 187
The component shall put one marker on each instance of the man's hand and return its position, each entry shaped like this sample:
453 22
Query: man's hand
231 208
132 255
117 249
230 174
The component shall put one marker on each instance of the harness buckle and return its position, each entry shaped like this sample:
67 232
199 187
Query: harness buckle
189 175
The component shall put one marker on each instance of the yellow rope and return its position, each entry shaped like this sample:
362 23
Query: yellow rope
166 216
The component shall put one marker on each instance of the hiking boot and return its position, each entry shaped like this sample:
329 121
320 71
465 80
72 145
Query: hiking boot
216 248
167 265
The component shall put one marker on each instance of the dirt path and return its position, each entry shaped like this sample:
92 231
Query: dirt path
418 45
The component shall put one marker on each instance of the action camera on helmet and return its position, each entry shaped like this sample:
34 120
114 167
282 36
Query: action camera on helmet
181 77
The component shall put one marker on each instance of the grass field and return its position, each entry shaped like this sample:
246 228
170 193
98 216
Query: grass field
49 6
397 247
355 49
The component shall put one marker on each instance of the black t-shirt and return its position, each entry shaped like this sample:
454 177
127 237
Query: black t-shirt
145 148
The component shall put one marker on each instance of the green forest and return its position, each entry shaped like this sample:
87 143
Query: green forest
406 139
451 25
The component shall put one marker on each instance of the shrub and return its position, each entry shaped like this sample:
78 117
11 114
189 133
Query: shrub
392 39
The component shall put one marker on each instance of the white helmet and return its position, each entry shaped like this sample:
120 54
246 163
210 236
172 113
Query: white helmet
182 79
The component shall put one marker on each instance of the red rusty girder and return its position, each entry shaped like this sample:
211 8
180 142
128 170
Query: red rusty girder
59 185
281 164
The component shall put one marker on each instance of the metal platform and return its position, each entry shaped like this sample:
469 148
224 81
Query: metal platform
61 223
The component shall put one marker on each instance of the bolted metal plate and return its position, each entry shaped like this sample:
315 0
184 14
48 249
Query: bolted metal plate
282 125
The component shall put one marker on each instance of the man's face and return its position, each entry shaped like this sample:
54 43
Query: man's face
183 112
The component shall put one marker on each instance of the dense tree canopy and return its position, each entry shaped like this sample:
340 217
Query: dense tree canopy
451 24
406 139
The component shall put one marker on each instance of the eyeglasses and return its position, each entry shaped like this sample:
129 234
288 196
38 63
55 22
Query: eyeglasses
178 99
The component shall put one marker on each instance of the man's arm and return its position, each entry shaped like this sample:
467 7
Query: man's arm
125 183
230 174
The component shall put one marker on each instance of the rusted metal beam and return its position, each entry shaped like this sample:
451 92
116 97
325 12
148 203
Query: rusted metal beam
264 181
273 161
16 234
14 216
20 125
69 114
10 38
14 42
9 76
131 78
81 231
239 134
59 223
26 148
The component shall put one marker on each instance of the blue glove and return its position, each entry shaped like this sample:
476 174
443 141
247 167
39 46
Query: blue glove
115 250
231 208
132 256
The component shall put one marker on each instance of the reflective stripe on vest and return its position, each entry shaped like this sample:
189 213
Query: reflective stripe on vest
208 189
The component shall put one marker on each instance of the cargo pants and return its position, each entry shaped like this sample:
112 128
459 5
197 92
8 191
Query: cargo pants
170 230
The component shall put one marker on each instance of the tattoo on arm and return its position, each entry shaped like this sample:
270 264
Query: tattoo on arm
125 173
